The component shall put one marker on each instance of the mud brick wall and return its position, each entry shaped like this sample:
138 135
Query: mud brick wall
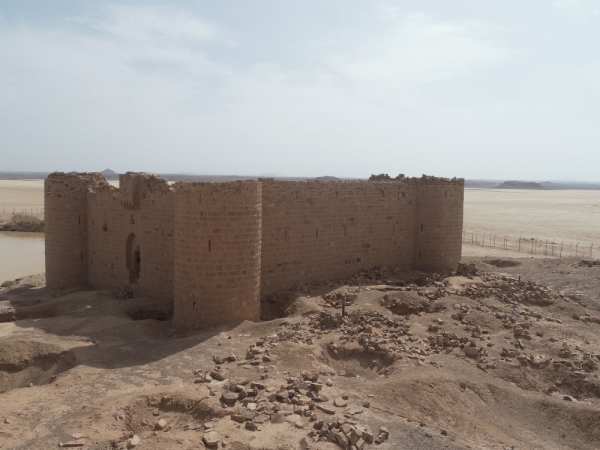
318 230
439 222
217 252
139 215
65 202
216 248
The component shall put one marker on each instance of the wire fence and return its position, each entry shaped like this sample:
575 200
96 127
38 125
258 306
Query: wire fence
30 210
535 246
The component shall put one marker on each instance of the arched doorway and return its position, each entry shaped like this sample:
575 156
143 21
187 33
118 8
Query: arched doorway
133 258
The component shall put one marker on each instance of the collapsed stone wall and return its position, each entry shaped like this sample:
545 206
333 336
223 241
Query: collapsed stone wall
136 217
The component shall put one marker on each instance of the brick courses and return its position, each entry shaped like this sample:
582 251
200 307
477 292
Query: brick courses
216 248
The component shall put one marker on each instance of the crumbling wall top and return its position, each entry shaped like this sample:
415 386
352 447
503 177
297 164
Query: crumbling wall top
424 179
133 186
88 177
91 180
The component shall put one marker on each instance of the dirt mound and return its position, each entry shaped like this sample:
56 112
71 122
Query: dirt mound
483 360
25 363
359 362
405 303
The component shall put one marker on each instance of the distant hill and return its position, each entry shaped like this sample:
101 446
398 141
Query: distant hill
110 174
327 178
522 185
482 184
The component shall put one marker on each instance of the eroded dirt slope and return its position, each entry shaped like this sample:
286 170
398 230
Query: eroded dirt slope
477 360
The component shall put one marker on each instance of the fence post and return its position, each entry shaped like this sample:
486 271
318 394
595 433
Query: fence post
553 242
472 234
494 241
592 251
483 244
519 244
561 245
576 249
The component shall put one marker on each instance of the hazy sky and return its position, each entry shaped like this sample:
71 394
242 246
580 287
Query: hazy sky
477 89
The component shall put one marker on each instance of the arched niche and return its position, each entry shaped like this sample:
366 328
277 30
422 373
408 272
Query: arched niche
133 258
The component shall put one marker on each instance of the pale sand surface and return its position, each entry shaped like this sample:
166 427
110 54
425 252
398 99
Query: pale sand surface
560 215
23 194
482 252
18 194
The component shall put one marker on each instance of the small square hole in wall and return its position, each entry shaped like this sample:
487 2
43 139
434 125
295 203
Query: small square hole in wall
104 227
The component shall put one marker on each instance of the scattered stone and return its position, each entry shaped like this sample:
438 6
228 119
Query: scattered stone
340 402
293 418
134 441
211 438
161 424
326 409
72 444
277 418
229 398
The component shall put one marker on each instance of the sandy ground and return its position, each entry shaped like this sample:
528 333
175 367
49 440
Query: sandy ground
83 362
561 215
23 195
19 195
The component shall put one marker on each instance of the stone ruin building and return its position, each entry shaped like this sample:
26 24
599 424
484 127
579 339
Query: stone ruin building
216 249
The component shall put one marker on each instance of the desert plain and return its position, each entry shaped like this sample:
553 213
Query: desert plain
503 354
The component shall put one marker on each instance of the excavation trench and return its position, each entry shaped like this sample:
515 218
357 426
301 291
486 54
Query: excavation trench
31 363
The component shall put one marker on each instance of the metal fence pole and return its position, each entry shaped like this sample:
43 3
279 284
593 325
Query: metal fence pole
561 246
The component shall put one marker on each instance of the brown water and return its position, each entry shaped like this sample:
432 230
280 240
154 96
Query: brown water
21 254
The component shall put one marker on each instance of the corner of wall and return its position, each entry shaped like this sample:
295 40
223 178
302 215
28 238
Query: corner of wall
65 200
438 225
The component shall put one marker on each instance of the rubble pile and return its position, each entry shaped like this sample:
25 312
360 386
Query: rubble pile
299 402
426 279
376 275
337 299
511 290
468 270
404 305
